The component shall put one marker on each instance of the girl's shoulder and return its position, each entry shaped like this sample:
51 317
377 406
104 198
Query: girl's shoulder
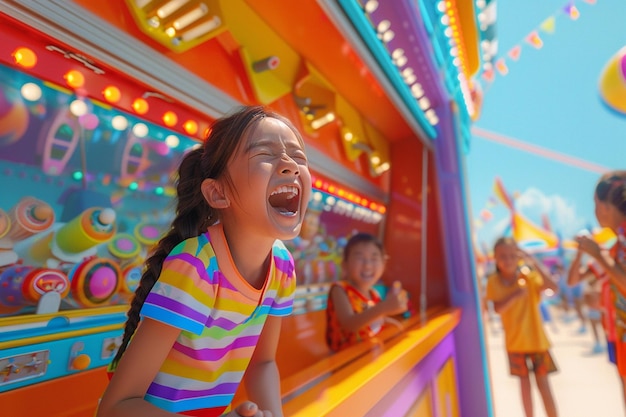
280 248
192 245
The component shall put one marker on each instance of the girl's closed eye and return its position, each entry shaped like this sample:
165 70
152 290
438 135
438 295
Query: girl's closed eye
299 157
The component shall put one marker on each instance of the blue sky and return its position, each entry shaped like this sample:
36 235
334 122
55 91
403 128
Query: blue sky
548 99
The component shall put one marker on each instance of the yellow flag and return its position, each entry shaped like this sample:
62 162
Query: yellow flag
548 25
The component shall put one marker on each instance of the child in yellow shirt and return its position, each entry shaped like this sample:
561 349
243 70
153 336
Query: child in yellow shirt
515 290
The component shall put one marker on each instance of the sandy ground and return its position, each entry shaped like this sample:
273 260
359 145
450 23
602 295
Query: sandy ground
587 384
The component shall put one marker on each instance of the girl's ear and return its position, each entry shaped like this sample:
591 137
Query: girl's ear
213 193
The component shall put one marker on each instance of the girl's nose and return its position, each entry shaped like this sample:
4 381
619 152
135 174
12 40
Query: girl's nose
288 165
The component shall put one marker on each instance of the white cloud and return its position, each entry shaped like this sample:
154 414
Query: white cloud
561 214
533 204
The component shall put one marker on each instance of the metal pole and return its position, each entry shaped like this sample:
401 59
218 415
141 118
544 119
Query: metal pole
423 282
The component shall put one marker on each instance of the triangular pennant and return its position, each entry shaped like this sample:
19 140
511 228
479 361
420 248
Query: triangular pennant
548 25
571 10
534 39
486 215
501 67
515 52
489 75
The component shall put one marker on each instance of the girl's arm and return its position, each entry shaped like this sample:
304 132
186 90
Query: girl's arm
573 275
349 320
136 370
548 282
262 380
503 304
615 271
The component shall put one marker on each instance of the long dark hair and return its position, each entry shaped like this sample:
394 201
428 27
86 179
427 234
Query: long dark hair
611 188
193 213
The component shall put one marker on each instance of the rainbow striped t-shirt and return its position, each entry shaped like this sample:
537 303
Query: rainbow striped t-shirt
220 316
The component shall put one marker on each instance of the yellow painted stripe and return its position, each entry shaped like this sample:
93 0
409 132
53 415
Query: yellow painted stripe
58 336
356 388
35 318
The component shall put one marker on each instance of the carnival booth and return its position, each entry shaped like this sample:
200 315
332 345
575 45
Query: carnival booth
99 101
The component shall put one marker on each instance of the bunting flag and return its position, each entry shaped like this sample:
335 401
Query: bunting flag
533 38
486 215
571 10
501 66
515 52
488 75
548 25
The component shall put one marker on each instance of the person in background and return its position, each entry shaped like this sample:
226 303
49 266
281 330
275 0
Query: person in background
515 289
610 209
593 280
355 310
571 297
207 313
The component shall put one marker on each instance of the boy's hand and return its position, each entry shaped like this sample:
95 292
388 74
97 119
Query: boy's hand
397 299
248 409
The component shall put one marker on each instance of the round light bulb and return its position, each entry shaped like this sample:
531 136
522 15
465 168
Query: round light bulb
31 91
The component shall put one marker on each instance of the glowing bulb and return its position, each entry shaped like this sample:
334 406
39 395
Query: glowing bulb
140 106
119 122
24 57
172 141
74 79
112 94
170 119
190 127
140 130
31 91
78 108
170 7
371 6
190 17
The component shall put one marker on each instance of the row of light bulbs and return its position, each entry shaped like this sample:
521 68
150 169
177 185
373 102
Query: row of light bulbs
401 61
27 58
32 92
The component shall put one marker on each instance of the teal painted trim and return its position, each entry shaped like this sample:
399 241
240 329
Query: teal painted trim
362 25
441 61
428 24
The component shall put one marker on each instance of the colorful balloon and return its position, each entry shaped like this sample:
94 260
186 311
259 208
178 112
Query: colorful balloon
612 84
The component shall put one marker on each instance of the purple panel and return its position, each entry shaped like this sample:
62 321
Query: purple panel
407 391
472 370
